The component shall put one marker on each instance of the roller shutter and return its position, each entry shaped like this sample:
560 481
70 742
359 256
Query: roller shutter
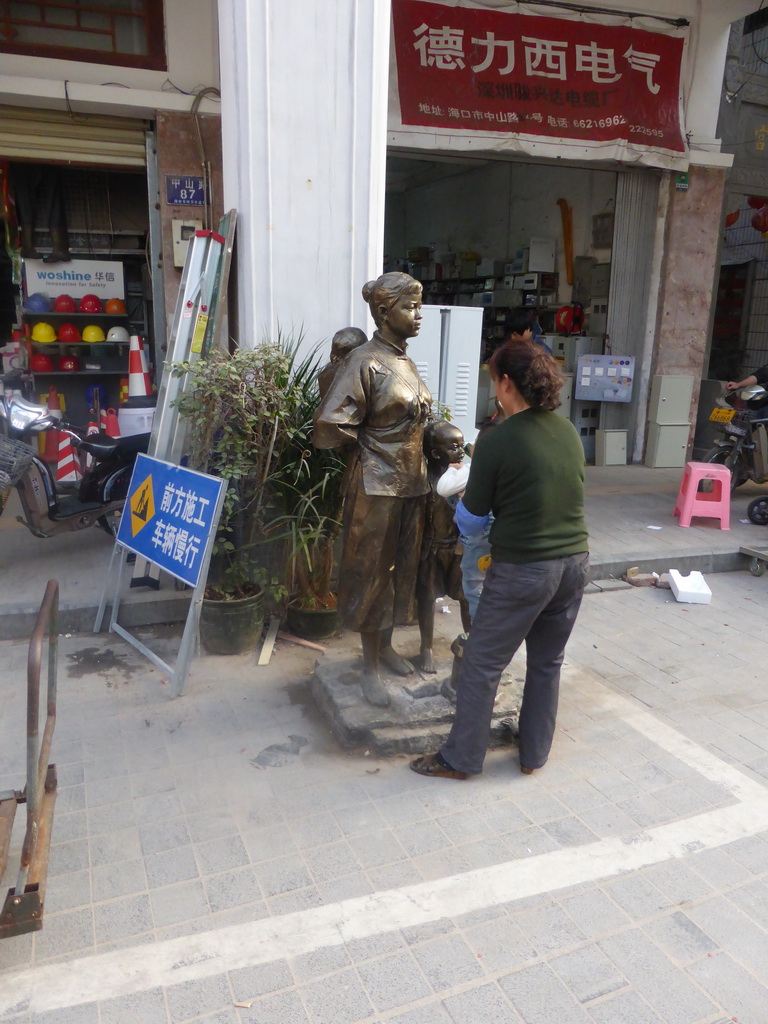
53 135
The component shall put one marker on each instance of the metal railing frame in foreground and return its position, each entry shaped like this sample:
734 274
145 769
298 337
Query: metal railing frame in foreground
23 907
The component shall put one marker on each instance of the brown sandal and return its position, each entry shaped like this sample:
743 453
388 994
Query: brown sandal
427 764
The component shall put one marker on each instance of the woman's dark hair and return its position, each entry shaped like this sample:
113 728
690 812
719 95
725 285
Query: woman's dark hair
535 374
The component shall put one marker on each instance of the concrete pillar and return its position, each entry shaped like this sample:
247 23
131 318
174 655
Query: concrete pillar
304 104
689 274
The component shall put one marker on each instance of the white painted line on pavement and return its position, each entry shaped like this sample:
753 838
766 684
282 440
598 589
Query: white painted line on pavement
107 975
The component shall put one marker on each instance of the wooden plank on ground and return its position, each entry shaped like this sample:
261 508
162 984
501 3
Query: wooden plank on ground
269 641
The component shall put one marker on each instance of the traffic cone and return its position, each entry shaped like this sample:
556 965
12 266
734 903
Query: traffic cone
68 468
139 384
51 450
112 427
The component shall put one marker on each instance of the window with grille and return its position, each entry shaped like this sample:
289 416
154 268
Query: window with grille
124 32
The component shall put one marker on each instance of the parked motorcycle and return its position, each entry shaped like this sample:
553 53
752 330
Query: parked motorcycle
49 510
743 418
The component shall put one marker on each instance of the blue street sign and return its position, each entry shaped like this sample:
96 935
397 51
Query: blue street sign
170 516
184 190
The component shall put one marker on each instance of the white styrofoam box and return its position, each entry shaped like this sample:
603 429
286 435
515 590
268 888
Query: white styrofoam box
134 421
690 589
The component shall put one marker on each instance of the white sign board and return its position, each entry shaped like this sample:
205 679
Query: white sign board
77 278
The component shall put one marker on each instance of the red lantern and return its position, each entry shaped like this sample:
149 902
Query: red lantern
731 218
757 202
760 220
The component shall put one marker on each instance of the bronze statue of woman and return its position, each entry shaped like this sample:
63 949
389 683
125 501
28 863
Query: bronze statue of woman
377 406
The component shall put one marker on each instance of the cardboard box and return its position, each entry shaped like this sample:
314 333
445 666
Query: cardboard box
507 297
490 268
420 254
12 357
518 264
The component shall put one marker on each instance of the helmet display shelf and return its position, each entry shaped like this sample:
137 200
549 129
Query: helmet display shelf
81 348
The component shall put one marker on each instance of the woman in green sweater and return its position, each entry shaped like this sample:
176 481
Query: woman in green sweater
528 472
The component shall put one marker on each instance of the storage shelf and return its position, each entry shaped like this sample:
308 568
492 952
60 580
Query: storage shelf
85 344
80 373
30 317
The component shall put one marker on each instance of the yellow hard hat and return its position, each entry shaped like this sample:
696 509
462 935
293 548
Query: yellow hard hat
43 332
93 333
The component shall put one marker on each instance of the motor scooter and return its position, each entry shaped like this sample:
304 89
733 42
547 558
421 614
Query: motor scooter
48 510
743 418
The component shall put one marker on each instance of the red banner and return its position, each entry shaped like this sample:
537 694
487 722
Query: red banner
488 71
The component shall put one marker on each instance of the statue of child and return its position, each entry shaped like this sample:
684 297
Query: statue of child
342 344
439 573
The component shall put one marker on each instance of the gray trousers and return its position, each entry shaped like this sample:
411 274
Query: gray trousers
536 602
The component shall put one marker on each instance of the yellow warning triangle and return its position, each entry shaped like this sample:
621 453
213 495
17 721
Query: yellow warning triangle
142 505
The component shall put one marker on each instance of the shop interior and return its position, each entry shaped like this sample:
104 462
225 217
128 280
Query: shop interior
506 235
71 350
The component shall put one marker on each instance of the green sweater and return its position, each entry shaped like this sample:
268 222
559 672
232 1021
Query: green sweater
529 471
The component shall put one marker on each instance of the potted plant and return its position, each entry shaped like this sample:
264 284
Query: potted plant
235 412
306 486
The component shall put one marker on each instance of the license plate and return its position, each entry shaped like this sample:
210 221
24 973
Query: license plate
719 415
738 431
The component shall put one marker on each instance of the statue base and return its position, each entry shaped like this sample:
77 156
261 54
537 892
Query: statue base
418 719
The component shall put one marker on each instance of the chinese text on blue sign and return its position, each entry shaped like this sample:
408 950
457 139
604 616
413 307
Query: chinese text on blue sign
184 190
170 515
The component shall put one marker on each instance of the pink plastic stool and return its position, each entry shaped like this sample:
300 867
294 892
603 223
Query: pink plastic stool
714 504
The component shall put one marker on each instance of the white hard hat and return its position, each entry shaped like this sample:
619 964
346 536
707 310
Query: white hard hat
118 334
453 480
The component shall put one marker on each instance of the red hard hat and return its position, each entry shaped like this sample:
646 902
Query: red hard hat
40 363
64 304
71 363
115 306
68 333
90 304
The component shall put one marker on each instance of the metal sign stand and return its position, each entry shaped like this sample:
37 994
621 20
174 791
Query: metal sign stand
177 673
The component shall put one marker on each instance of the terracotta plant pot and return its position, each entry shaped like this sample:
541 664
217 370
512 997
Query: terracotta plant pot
311 623
231 627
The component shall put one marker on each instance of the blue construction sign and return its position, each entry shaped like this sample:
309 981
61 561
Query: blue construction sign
170 516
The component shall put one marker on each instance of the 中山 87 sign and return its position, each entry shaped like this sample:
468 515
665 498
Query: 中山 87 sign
487 71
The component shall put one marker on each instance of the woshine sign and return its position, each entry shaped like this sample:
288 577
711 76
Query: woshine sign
77 278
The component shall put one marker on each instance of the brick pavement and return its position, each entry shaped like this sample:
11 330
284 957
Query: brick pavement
205 855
